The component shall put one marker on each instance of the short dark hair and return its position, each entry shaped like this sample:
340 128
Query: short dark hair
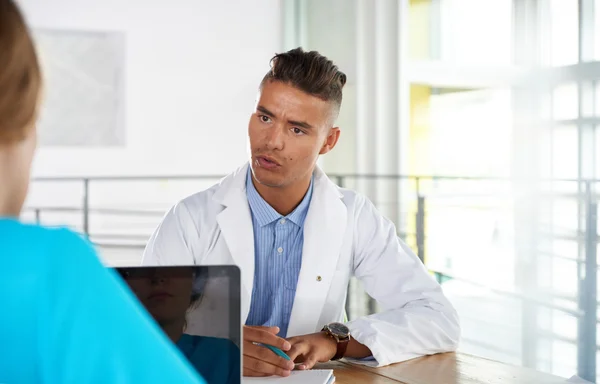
310 72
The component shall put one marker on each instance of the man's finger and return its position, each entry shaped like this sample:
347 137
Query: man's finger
255 335
298 350
264 354
258 330
250 373
262 367
309 363
274 330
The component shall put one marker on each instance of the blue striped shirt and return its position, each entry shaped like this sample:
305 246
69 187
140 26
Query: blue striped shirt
278 244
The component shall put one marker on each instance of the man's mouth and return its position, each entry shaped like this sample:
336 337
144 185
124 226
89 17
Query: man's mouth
267 162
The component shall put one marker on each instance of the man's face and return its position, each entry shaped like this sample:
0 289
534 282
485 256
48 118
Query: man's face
288 131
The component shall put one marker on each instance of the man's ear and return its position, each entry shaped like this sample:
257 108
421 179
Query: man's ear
332 138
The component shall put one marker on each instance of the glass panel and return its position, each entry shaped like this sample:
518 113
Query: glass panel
597 142
597 29
419 20
564 277
565 223
587 99
597 93
556 347
565 248
564 32
565 153
471 125
545 152
476 32
491 324
564 358
564 102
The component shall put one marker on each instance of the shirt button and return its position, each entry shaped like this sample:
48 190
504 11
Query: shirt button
279 249
282 221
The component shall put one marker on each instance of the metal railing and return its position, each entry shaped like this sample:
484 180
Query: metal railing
582 192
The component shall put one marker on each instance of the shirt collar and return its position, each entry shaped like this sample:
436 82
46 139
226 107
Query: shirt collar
265 214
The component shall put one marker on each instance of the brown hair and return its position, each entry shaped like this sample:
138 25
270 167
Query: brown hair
310 72
20 75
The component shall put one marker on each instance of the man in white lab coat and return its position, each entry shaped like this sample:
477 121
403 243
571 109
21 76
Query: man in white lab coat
298 238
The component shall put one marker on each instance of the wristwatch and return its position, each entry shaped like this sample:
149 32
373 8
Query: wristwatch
341 334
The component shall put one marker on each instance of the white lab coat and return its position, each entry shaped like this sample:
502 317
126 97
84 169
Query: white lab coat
344 236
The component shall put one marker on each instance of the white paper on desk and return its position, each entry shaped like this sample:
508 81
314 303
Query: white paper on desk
577 380
315 376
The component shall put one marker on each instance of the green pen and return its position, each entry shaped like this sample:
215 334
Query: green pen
276 350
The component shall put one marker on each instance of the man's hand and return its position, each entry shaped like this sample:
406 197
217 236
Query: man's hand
260 361
311 349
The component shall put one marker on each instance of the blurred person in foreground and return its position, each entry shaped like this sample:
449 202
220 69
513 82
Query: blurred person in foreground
65 318
298 239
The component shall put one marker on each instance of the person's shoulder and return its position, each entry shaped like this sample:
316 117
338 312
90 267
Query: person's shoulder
202 201
350 197
25 234
198 208
21 242
350 194
353 199
39 244
197 199
360 207
13 229
66 239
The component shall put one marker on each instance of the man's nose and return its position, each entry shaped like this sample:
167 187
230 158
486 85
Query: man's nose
275 137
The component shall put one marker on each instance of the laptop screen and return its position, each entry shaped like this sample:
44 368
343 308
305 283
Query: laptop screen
199 310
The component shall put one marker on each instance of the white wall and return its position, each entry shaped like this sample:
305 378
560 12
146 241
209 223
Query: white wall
192 69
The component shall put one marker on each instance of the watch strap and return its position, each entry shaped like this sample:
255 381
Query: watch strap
342 343
342 346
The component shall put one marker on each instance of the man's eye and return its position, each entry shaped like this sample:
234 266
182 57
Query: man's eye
298 131
265 119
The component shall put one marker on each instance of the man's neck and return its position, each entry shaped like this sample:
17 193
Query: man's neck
283 200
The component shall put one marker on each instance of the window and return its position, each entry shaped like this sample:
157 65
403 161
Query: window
476 32
564 32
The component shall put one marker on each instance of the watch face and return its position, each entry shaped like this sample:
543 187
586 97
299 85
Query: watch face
339 329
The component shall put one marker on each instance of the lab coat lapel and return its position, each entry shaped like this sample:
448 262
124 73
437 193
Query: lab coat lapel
324 230
235 222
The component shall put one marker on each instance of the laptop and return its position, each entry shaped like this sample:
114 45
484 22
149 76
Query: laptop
199 309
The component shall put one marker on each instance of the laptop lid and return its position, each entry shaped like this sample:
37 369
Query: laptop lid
199 309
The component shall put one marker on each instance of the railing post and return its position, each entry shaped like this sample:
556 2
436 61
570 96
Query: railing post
37 216
86 206
586 341
420 227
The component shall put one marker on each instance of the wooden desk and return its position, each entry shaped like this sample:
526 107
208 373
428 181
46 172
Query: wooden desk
447 368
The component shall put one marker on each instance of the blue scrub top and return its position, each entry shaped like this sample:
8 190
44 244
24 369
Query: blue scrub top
216 359
65 318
